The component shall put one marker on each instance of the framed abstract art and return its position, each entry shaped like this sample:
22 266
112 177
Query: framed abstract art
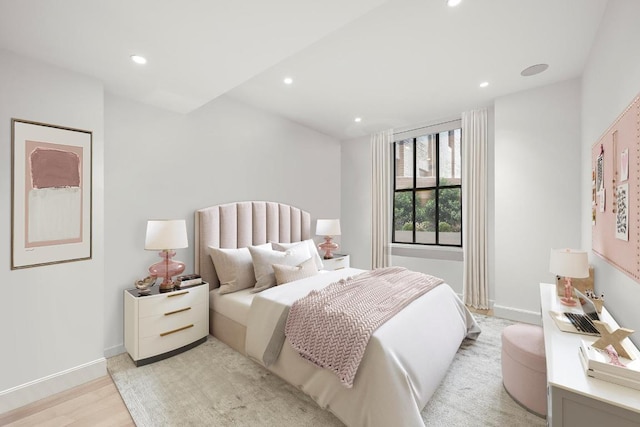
51 194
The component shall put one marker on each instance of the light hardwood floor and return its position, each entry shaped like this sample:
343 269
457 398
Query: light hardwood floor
96 403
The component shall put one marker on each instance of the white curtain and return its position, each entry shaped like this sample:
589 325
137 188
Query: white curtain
381 198
474 209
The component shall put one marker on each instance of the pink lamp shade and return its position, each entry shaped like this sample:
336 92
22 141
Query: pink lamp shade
166 235
328 228
569 263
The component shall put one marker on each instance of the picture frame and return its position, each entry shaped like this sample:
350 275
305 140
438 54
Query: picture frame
51 194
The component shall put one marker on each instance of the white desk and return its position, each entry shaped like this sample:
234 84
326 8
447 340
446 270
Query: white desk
574 399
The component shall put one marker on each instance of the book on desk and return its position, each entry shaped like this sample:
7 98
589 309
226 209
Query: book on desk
597 364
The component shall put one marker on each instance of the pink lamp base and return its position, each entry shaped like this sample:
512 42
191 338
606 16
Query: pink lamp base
568 299
167 268
328 246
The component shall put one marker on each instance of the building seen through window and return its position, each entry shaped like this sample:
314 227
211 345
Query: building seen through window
427 206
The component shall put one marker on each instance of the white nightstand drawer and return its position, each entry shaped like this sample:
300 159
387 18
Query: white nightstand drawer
172 339
336 263
165 303
161 323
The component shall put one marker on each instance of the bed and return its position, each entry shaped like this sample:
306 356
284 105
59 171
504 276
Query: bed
404 361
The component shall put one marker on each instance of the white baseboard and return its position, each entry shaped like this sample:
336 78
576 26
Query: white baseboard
517 315
44 387
114 351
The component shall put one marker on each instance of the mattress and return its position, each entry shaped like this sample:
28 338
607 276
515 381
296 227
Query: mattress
234 306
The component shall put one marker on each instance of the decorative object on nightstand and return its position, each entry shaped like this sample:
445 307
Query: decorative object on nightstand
143 285
187 280
165 236
328 228
569 263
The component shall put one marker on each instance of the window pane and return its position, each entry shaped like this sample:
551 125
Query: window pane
450 157
426 216
450 216
404 164
403 217
425 161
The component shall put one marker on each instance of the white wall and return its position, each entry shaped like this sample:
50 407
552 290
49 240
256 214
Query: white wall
51 316
610 82
356 202
166 165
537 197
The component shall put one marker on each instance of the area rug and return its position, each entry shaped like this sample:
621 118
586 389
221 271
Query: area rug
214 385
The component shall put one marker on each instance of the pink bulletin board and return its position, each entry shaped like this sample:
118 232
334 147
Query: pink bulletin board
615 192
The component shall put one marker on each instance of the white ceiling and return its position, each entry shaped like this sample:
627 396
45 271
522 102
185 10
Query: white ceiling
394 63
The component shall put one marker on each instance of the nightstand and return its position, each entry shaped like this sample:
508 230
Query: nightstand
163 324
336 263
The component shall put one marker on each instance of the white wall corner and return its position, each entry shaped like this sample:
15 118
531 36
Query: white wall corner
24 394
114 351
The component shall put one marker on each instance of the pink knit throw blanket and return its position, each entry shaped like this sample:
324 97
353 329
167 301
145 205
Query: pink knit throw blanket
331 327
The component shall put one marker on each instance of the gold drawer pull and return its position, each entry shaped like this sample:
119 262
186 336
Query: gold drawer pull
176 330
178 294
177 311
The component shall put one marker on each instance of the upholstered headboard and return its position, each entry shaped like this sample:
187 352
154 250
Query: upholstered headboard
241 224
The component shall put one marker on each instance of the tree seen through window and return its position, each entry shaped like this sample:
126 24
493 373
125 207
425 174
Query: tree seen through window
428 189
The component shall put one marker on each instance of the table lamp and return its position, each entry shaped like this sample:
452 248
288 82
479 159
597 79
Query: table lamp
165 236
328 228
569 263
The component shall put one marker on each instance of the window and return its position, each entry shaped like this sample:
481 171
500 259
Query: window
427 203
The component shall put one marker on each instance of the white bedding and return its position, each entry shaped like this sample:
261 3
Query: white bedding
235 305
405 360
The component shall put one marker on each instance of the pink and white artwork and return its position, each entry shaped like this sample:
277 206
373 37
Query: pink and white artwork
51 204
54 194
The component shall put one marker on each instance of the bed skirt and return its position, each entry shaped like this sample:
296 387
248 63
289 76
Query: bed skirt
228 331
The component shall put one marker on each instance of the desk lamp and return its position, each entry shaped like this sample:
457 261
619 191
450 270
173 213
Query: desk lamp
569 263
165 236
328 228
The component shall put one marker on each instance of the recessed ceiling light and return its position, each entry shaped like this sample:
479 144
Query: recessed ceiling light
139 59
484 84
288 80
453 3
357 119
534 69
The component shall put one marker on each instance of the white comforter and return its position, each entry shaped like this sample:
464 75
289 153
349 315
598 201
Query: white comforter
405 360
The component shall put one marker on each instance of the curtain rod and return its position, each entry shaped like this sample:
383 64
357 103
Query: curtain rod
426 127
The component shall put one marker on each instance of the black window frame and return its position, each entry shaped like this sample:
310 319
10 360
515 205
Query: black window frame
415 189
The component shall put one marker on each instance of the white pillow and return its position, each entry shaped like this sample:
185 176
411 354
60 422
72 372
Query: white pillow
263 259
234 268
288 273
313 250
